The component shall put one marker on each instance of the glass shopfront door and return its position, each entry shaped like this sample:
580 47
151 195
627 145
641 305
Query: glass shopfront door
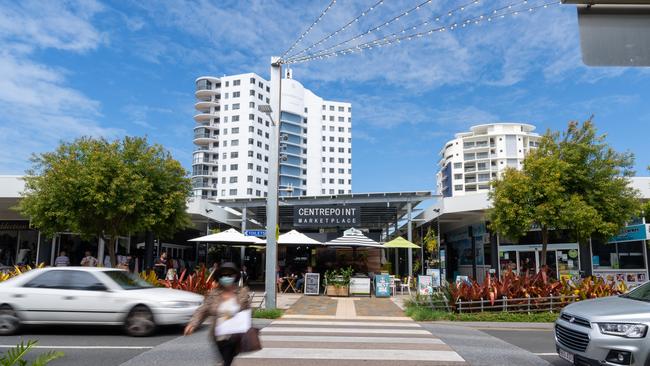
561 259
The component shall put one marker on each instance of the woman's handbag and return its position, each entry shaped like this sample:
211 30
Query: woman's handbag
250 341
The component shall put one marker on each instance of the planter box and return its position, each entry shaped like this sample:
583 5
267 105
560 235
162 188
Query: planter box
337 290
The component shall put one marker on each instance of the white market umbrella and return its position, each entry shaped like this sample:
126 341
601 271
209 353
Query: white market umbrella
294 237
231 236
353 238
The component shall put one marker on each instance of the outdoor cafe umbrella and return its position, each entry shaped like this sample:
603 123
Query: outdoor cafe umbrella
294 237
353 238
400 242
230 236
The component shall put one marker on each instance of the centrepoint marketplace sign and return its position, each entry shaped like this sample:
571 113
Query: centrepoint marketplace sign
326 216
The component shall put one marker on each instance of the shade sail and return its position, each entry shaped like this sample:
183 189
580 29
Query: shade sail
231 236
400 242
294 237
353 238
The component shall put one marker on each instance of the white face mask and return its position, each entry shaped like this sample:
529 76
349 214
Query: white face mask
226 280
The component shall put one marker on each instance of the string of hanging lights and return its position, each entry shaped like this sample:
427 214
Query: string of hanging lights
306 32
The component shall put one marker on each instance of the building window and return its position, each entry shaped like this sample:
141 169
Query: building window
331 118
251 92
236 82
234 154
233 192
249 191
234 130
331 108
458 187
235 106
234 143
234 167
235 94
252 80
341 119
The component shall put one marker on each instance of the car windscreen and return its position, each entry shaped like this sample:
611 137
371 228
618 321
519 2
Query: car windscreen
641 293
127 280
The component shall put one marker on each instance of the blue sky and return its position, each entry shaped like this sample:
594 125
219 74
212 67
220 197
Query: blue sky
72 68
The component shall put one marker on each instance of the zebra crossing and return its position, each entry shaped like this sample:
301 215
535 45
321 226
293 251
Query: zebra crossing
344 342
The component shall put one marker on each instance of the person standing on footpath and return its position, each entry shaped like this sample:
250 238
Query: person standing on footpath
62 260
222 303
89 260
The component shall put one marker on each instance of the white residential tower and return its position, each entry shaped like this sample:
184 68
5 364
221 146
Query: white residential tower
232 140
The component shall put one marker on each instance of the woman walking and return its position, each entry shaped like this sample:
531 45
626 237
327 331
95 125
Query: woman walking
222 304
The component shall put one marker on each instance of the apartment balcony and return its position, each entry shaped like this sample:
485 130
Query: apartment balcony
205 116
204 138
206 104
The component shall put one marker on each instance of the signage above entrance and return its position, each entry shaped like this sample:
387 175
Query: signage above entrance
632 233
326 216
14 225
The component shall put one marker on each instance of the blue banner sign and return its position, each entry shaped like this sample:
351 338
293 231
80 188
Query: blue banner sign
382 285
632 233
255 232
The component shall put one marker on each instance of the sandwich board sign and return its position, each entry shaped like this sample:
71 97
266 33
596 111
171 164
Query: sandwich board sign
382 285
312 284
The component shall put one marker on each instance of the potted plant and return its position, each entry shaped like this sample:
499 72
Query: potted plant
337 282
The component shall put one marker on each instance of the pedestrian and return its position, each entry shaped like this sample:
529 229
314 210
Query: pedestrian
160 266
88 260
222 303
62 260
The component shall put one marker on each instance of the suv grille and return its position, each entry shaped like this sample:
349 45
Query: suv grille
576 320
571 338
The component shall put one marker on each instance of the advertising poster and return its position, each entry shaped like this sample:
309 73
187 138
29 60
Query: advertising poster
425 285
359 286
382 285
435 274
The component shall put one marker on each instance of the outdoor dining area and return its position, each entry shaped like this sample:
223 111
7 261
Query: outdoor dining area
352 264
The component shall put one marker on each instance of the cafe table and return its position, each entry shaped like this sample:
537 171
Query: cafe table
291 284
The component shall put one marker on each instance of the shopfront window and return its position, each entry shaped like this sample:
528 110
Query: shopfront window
508 261
626 255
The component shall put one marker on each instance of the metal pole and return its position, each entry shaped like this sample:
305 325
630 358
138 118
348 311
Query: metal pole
53 250
272 188
100 252
38 248
409 236
242 250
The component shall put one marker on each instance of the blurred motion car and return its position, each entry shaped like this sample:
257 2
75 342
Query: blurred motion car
606 331
93 296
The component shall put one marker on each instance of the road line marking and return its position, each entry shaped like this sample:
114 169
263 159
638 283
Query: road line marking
546 354
81 347
354 354
344 323
515 329
273 329
334 339
358 317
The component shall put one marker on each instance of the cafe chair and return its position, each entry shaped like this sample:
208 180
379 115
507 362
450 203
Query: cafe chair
409 280
393 286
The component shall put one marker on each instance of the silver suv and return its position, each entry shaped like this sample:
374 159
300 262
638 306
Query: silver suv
606 331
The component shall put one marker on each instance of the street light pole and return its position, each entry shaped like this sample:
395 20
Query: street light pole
272 188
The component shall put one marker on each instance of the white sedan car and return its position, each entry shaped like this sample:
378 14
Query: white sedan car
86 295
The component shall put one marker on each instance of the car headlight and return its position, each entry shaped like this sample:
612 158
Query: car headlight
623 329
180 304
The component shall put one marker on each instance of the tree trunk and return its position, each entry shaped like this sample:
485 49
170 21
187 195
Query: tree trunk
542 260
111 250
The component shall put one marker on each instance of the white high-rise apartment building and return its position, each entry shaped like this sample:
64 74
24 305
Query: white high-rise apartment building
468 162
232 140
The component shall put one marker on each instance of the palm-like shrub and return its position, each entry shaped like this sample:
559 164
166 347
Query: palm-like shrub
16 356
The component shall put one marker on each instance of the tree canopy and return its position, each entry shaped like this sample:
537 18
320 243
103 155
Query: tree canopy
573 180
104 189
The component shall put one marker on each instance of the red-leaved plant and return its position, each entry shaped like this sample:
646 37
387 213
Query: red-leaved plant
198 282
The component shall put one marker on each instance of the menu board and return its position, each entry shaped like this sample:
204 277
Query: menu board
382 285
312 284
435 274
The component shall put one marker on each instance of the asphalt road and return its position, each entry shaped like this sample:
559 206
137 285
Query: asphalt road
539 342
83 346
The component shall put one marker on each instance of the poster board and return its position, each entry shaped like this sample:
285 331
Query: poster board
382 285
312 284
425 285
435 274
360 286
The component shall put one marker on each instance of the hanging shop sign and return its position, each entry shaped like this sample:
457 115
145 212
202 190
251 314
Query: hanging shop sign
312 284
326 216
632 233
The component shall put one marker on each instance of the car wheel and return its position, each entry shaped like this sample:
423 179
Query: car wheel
9 321
139 322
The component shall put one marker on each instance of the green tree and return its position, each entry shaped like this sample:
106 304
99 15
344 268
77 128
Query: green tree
574 180
597 184
531 197
105 189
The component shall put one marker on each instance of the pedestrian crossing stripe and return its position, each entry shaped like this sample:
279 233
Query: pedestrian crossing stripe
349 341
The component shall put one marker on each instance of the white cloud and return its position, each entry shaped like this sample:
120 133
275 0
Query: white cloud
39 108
141 114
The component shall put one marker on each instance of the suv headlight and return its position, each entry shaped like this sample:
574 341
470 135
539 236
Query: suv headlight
623 329
180 304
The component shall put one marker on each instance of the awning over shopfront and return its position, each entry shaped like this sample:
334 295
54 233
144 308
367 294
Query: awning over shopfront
400 242
230 236
294 237
353 238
